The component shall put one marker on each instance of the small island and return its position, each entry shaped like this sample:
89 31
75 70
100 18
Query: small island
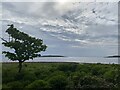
53 56
114 56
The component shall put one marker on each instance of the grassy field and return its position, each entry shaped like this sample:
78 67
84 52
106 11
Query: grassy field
60 76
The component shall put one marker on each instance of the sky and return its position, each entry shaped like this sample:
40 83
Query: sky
75 29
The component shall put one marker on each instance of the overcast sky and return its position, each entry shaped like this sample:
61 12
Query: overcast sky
67 28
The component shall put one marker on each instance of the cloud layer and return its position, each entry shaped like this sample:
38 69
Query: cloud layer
70 28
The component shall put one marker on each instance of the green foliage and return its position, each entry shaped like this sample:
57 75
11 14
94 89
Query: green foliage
67 67
25 76
94 82
14 85
37 85
25 47
110 75
53 75
9 75
58 82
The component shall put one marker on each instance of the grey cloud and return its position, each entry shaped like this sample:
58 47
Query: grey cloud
62 31
32 9
17 8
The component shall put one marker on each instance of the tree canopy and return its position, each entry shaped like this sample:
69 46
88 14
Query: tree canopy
25 47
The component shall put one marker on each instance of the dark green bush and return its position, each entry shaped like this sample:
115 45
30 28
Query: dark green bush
110 76
8 76
94 82
37 85
13 85
58 82
67 67
41 74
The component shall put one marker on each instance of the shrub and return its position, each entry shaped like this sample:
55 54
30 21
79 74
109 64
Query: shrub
29 76
4 86
110 76
94 82
37 85
8 76
67 67
42 73
14 85
58 82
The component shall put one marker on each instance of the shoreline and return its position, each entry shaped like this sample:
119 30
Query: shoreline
79 60
61 63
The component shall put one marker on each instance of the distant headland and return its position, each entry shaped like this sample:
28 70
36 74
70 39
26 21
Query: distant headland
53 56
114 56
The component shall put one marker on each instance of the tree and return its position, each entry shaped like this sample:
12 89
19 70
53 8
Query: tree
25 47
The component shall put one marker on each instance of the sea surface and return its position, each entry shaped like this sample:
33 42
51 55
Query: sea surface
73 59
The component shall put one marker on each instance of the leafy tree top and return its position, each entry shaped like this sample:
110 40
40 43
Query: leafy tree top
25 47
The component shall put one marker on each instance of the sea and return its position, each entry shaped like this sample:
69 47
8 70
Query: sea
101 60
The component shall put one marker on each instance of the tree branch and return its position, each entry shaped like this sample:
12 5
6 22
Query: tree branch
3 39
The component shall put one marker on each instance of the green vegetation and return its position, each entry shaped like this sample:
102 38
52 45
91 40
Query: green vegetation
60 76
24 47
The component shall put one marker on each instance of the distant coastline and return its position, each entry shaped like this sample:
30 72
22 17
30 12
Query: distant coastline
53 56
114 56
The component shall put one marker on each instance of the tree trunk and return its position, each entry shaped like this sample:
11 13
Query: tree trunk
20 66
